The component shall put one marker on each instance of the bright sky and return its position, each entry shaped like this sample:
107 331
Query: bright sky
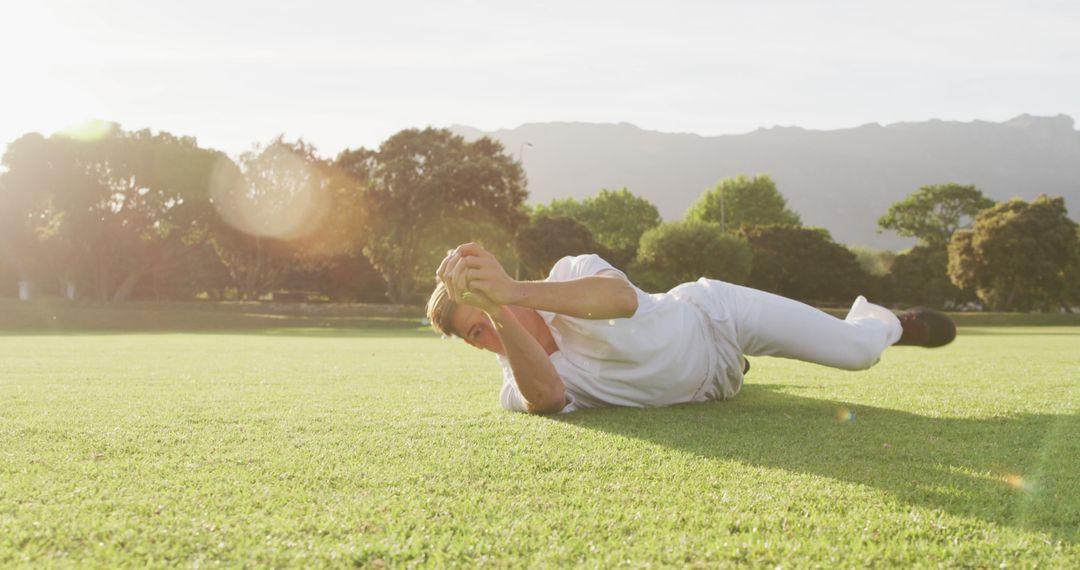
350 73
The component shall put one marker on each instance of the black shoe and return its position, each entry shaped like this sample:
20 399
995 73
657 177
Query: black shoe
926 327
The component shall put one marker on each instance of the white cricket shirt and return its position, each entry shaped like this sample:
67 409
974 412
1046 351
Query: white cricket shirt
678 347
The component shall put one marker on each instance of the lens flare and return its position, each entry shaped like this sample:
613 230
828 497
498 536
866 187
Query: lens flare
89 131
844 415
300 204
1020 483
280 199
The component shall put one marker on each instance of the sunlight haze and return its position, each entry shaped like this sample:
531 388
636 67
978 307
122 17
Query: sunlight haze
348 74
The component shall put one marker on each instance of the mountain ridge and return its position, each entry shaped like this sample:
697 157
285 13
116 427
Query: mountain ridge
839 179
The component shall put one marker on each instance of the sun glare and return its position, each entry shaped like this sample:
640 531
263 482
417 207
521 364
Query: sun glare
88 131
284 201
1020 483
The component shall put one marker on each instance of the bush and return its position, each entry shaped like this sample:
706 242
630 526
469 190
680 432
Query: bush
920 277
743 201
805 264
1019 256
617 219
679 252
548 239
876 262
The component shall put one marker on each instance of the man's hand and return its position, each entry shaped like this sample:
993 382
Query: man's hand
485 275
474 277
470 270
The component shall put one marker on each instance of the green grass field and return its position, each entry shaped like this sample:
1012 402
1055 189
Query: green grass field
378 444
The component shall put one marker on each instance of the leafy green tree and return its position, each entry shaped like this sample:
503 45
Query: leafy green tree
679 252
1019 256
421 180
877 262
741 201
920 277
803 263
934 212
548 239
616 218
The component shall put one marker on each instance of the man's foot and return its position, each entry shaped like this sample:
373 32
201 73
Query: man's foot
926 327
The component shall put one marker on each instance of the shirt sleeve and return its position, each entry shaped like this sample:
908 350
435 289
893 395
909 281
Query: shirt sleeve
575 266
510 397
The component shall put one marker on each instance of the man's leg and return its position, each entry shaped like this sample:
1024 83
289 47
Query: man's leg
771 325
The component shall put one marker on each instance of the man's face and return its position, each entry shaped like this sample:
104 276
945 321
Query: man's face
474 326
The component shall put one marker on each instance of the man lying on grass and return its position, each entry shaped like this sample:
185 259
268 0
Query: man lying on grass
587 337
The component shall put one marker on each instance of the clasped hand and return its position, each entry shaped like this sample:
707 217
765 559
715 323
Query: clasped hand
474 277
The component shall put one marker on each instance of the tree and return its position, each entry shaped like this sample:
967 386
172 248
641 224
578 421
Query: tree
803 263
284 210
8 277
1019 256
679 252
934 212
342 278
741 201
477 226
548 239
920 277
616 218
1072 285
24 202
111 210
876 262
421 180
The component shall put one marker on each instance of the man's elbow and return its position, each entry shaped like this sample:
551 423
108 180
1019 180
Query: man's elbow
628 301
551 405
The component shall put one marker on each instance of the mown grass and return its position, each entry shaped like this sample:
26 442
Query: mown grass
385 446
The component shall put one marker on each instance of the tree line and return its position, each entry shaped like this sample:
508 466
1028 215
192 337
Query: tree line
971 253
142 215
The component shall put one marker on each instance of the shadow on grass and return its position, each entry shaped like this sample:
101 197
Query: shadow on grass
1018 471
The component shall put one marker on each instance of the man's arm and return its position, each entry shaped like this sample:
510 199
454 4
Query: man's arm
537 381
594 297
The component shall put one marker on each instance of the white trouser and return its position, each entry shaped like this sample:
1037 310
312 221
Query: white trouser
771 325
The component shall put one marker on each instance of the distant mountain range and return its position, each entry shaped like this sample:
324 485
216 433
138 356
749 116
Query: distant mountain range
842 180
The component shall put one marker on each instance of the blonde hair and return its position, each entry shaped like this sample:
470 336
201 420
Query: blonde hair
440 310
